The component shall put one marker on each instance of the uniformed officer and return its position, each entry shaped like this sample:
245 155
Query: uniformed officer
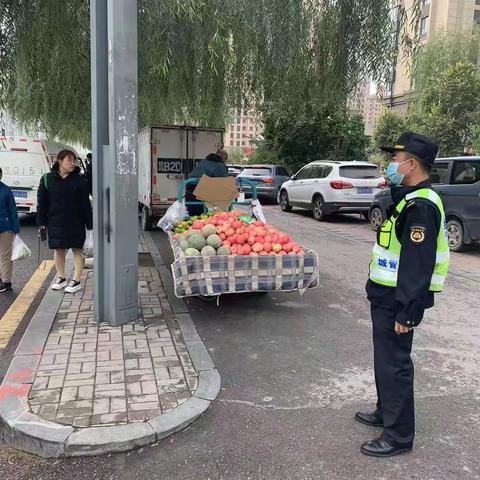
409 264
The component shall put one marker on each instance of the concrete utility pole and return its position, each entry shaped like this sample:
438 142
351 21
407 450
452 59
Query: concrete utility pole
114 138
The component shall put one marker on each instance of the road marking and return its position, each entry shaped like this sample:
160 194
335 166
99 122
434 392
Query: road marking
14 315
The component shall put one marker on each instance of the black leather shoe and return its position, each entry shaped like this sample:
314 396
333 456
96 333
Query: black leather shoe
383 449
374 419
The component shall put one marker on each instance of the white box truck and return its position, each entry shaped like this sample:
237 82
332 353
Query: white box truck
23 161
166 156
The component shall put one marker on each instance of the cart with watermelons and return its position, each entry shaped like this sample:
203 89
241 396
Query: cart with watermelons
234 251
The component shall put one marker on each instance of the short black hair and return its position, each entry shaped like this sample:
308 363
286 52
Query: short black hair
426 166
65 153
1 171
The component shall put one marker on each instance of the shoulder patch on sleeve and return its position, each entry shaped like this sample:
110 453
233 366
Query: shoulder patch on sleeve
417 234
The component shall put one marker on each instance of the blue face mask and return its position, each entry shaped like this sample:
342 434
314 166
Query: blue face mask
392 173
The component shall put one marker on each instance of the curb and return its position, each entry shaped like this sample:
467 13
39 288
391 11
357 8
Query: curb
29 432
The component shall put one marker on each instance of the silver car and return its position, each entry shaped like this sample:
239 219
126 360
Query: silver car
267 179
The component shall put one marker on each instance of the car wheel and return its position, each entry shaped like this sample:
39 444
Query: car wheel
284 205
146 219
455 235
274 199
376 218
318 208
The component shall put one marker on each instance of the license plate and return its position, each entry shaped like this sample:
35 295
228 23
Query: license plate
18 194
365 190
169 166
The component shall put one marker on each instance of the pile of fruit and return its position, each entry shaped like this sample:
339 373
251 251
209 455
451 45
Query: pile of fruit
185 225
234 233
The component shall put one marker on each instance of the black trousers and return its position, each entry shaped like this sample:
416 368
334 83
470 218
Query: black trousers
190 197
393 377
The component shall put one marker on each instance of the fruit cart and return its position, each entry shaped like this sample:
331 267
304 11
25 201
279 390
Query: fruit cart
234 252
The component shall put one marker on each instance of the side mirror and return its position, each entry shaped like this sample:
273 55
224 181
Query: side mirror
293 177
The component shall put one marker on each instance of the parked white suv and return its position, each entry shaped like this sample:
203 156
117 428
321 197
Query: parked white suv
327 187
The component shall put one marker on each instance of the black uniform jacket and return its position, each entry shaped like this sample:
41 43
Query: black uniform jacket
417 229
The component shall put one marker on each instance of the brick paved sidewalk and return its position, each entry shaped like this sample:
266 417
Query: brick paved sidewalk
97 375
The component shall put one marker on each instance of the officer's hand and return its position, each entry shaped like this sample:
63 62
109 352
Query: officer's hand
399 328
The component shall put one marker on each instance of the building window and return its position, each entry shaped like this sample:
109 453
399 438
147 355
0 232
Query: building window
238 143
425 26
243 144
231 135
477 2
251 128
244 127
476 16
427 2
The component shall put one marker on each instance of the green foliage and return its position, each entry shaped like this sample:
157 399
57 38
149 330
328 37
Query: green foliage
443 50
389 127
379 159
475 137
297 140
262 155
449 107
235 156
197 59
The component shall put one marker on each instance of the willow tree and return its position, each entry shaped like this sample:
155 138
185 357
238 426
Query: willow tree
198 59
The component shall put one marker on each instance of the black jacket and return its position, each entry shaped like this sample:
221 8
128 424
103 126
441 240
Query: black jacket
212 165
411 296
64 208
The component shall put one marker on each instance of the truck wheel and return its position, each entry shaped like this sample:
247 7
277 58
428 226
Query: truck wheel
146 219
455 235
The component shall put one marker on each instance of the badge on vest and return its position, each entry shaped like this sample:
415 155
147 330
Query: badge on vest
417 234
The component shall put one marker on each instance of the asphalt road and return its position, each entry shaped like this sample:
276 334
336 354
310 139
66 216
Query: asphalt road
294 371
23 269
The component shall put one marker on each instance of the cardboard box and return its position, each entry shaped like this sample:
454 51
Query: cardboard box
216 192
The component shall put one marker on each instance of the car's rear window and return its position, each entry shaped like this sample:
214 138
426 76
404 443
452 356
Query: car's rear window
256 172
359 172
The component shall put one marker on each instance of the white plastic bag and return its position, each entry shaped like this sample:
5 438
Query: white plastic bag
20 249
175 213
257 210
87 249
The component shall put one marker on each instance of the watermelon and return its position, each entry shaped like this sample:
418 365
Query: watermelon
197 241
208 251
183 244
214 241
223 251
208 230
192 252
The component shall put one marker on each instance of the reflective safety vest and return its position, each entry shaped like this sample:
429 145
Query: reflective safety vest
386 252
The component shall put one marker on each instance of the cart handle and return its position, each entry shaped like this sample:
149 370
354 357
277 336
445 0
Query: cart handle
194 181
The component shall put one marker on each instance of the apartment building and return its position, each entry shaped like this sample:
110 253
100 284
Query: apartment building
240 133
366 104
435 15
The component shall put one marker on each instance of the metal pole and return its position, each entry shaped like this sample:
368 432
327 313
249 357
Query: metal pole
99 73
115 130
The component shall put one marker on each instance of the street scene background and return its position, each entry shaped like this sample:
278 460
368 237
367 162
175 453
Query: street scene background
296 368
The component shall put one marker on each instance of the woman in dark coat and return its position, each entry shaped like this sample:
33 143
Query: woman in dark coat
64 210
